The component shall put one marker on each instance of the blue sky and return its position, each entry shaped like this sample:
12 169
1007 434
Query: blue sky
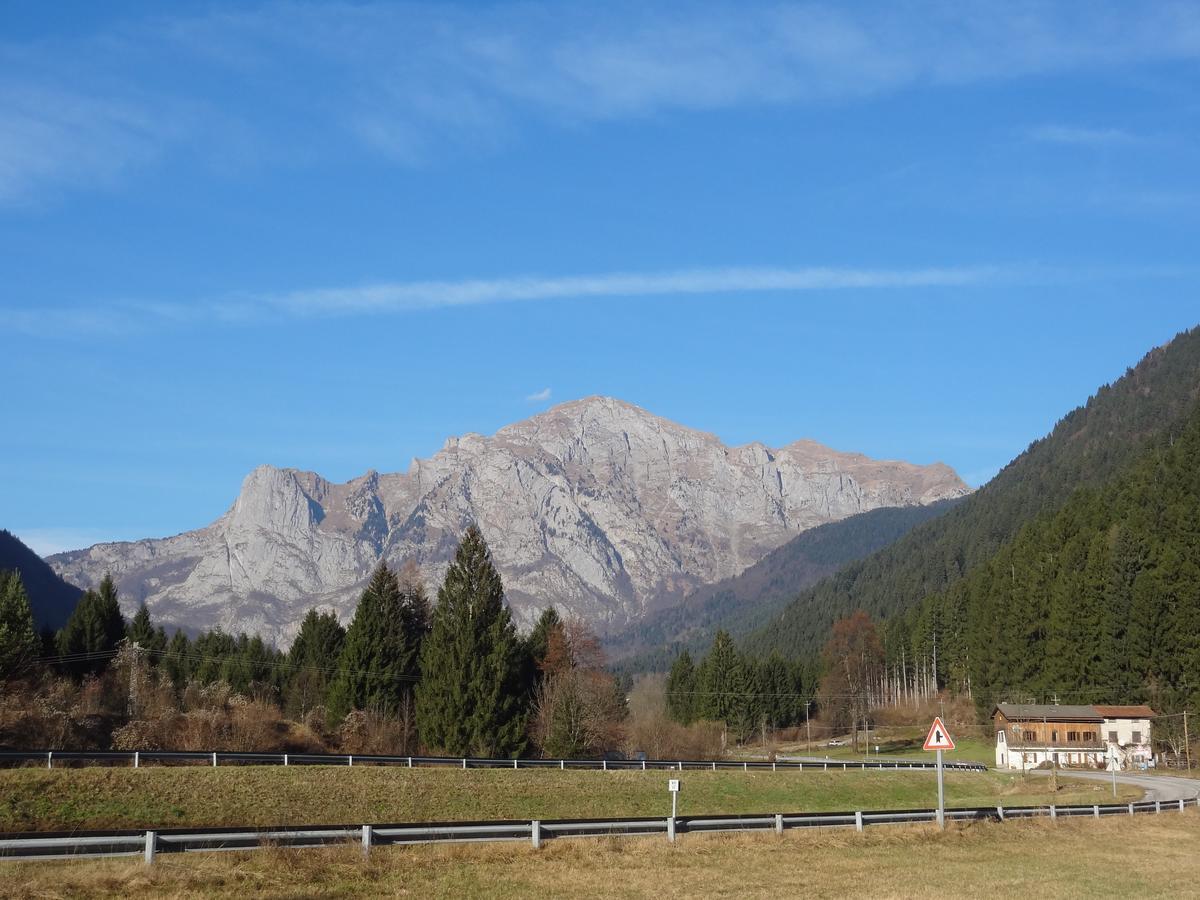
329 236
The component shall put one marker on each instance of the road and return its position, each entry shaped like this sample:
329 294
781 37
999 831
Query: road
1157 787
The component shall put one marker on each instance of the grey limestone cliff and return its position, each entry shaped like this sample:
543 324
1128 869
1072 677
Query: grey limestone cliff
596 506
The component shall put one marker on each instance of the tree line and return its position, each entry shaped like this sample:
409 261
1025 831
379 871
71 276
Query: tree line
455 674
748 694
1089 447
1097 602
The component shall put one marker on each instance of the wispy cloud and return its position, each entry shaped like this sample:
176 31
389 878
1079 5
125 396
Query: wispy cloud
412 296
539 396
50 136
1079 136
409 81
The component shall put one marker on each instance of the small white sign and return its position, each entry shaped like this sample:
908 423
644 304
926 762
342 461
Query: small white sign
673 785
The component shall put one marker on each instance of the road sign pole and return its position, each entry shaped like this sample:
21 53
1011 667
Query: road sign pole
941 794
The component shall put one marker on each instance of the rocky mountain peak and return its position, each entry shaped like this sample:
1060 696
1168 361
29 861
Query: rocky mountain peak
595 505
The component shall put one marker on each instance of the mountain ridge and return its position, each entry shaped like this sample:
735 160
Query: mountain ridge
1088 445
595 505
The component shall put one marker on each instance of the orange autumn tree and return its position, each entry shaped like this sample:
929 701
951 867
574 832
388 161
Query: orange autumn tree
852 658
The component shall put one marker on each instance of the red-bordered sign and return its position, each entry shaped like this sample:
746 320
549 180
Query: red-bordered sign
938 737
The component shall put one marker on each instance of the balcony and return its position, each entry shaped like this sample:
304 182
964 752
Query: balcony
1017 745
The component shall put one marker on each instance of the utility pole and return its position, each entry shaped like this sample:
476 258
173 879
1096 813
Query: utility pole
1187 744
131 701
807 727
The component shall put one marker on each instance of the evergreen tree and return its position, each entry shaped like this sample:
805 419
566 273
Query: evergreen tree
725 689
379 661
470 698
313 660
91 635
177 661
19 643
681 689
537 644
210 651
143 633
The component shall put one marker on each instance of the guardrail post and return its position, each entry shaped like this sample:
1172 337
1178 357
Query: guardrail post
604 764
214 759
151 846
772 765
1000 812
844 769
643 765
514 762
779 823
1096 810
368 836
1181 804
50 760
714 767
745 767
1053 812
1131 809
351 759
285 759
464 762
135 758
858 820
671 829
410 762
535 833
562 764
1158 806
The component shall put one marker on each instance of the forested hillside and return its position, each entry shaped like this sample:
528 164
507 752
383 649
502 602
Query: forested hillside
1085 449
748 600
52 598
1099 602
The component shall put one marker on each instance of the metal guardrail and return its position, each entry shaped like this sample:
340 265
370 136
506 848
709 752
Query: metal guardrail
208 757
84 844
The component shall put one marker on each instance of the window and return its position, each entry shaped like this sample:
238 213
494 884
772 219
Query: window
1112 737
1054 736
1030 736
999 737
1137 737
1072 737
1089 737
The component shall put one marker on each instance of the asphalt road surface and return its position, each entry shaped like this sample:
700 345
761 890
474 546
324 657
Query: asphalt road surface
1157 787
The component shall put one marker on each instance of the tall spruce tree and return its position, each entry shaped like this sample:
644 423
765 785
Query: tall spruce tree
470 698
681 689
379 661
91 635
724 687
313 661
19 643
177 661
143 633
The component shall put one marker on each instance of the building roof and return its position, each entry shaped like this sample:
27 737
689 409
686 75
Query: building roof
1049 712
1126 712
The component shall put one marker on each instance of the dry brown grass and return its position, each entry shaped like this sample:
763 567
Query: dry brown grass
1148 856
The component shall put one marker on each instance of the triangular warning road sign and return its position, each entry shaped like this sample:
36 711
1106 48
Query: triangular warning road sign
938 737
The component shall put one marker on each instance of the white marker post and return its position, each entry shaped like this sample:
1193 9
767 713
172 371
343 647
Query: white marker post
673 787
939 739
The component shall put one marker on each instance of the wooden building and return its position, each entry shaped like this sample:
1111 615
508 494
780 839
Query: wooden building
1029 734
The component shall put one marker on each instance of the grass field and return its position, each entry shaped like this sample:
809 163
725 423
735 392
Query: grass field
1147 856
64 799
903 743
